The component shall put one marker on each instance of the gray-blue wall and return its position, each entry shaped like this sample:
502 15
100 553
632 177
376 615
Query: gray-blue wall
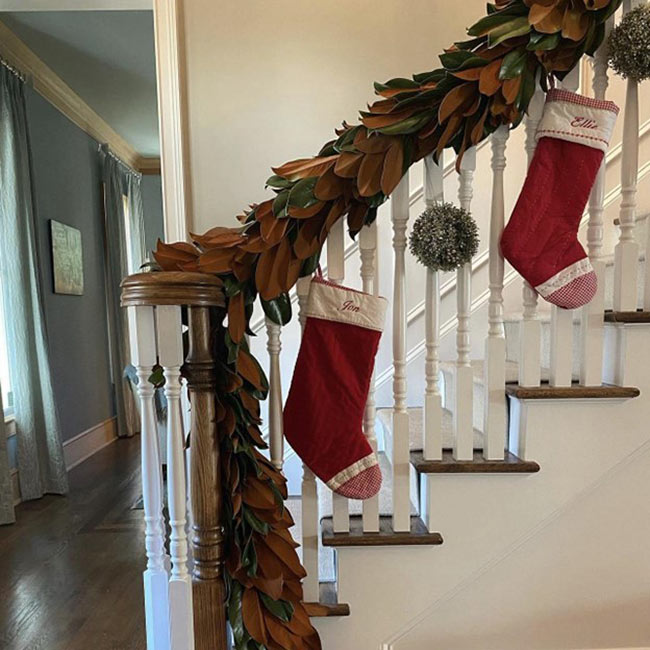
67 188
152 206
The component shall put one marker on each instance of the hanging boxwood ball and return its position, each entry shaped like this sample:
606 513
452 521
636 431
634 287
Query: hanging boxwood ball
628 46
444 237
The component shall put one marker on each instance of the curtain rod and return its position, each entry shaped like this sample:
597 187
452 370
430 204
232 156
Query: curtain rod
14 71
105 149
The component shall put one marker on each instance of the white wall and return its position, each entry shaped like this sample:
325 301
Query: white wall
269 81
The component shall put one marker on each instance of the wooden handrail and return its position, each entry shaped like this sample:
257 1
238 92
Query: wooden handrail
200 293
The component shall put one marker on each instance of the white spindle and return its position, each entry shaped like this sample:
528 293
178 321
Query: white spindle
170 346
336 273
309 491
530 335
494 416
276 437
591 320
401 497
368 250
433 193
562 319
464 377
156 597
626 252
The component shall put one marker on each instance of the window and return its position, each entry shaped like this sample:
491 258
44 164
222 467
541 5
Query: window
5 378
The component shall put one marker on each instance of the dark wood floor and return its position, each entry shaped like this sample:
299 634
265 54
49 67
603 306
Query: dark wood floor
71 568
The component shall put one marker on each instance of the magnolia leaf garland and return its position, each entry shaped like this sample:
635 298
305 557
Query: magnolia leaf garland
485 82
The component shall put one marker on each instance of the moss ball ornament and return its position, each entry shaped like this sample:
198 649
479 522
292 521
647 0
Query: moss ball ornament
628 46
444 237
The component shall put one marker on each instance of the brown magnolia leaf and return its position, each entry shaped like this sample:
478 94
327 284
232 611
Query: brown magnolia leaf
371 144
217 260
254 244
252 405
285 553
471 74
258 495
273 229
369 178
286 536
336 212
450 131
263 210
242 266
278 269
253 430
329 186
379 122
454 100
348 164
498 105
248 369
539 11
382 106
476 134
574 24
307 242
293 272
510 89
172 257
227 426
305 213
236 506
552 22
305 167
299 623
280 634
237 317
253 617
473 107
219 237
231 381
489 81
393 169
272 587
356 217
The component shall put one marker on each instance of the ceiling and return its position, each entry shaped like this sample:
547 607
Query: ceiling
107 58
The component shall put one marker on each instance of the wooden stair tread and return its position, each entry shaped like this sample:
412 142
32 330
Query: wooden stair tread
448 465
574 391
638 316
417 536
328 604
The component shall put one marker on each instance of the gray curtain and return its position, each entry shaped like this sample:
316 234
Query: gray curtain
7 515
40 453
125 248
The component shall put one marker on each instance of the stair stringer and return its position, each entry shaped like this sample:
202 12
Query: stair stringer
484 517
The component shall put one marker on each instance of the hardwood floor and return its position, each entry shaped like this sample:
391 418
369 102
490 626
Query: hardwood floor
71 568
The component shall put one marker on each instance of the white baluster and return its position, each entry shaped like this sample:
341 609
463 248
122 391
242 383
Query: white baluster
530 335
464 377
433 193
156 598
591 320
309 491
170 346
562 319
494 416
368 250
401 498
626 252
276 436
336 273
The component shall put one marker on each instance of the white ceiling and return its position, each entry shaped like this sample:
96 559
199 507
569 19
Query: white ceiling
107 58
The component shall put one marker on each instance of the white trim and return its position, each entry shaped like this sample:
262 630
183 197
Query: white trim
89 442
563 277
10 426
341 305
353 470
172 120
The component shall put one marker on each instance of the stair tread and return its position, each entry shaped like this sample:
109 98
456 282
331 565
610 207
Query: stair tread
574 391
638 316
328 604
417 536
478 465
416 427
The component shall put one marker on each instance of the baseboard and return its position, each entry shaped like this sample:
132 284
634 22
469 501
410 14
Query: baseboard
89 442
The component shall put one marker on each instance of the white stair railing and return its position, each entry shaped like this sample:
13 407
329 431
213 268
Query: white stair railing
626 253
276 436
530 335
562 319
591 319
400 454
494 417
464 376
433 193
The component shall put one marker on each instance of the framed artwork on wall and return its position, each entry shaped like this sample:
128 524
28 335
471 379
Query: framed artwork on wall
67 259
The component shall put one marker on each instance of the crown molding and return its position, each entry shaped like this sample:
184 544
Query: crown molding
75 5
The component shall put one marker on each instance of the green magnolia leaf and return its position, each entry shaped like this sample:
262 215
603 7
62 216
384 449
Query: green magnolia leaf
232 348
526 91
310 264
280 204
514 27
513 64
542 42
232 286
489 23
426 77
469 44
301 194
278 309
235 617
396 84
278 182
157 378
276 607
409 125
256 524
461 60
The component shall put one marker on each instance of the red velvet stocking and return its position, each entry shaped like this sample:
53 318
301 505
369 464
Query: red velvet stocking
541 238
324 410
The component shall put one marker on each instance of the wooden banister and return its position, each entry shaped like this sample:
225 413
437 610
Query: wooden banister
200 293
